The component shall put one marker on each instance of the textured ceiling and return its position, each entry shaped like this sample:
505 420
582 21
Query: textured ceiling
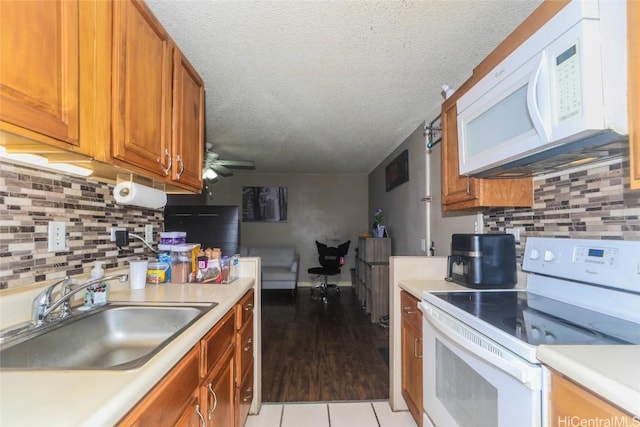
329 86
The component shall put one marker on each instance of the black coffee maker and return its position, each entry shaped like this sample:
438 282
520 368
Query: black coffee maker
483 261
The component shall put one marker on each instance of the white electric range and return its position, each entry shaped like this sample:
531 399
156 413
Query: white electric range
480 366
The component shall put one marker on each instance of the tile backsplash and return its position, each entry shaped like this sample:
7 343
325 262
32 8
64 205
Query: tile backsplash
30 199
593 202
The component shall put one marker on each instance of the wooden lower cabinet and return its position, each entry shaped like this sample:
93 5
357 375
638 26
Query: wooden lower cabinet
174 398
213 384
217 371
244 357
411 365
571 404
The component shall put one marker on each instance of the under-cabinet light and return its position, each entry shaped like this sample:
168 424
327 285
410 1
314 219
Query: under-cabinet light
39 162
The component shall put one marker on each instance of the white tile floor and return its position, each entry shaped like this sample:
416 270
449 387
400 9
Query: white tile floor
331 414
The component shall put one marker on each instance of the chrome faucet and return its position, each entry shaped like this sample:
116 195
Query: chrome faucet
43 306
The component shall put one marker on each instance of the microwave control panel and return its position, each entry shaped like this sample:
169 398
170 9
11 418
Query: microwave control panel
568 86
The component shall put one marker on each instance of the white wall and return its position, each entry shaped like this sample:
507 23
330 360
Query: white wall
403 208
444 224
327 208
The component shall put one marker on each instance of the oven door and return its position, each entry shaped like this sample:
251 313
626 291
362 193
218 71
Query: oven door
469 380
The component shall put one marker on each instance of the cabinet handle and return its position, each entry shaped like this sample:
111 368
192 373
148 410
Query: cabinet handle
249 394
415 348
248 307
166 171
215 401
249 344
181 163
203 423
408 310
469 186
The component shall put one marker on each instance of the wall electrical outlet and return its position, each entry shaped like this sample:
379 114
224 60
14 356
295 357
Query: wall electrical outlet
57 236
148 233
113 232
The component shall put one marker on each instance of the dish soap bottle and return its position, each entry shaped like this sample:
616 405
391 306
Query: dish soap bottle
96 295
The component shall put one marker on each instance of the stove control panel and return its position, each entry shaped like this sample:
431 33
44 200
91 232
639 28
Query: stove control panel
612 263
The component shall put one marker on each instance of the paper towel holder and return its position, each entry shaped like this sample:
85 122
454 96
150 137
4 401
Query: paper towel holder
122 178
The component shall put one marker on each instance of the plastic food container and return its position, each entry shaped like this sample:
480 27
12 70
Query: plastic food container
164 256
157 272
173 237
181 262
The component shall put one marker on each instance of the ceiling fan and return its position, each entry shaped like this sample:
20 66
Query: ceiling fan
214 166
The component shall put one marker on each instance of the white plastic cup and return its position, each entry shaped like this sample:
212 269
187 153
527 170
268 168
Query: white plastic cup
138 273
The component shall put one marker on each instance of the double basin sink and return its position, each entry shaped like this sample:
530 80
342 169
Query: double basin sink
113 337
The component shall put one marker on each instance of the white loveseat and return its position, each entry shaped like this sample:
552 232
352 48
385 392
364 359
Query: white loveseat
279 266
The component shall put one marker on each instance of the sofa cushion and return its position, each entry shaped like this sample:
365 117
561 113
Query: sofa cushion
277 274
274 256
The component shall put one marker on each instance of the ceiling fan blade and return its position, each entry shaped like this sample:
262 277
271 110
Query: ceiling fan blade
237 164
221 170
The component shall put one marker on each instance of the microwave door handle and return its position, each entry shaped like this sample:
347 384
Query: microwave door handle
539 85
518 370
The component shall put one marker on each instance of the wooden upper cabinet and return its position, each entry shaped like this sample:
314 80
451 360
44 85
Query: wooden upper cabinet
40 39
633 27
141 85
188 123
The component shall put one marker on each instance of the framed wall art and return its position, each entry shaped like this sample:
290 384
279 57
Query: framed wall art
397 172
268 204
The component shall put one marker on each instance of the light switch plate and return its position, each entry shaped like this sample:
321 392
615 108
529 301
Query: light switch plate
57 236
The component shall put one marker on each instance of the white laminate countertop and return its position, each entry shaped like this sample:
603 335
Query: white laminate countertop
102 398
610 371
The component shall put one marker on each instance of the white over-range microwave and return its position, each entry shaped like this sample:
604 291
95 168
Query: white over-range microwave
558 100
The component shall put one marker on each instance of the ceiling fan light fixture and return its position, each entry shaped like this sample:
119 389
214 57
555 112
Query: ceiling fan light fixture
209 174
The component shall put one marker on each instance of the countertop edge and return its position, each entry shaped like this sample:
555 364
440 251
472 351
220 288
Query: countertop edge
118 391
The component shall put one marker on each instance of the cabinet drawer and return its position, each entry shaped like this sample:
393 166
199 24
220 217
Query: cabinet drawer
245 397
244 350
164 405
409 307
216 342
244 309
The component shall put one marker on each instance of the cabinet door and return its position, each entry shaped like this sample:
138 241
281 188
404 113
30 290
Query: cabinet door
455 187
39 66
217 393
192 415
170 398
188 123
411 368
571 401
244 398
141 85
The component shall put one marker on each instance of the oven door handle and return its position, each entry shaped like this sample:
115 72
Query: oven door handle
474 343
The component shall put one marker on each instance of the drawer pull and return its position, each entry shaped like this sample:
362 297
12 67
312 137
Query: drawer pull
215 400
249 344
248 307
249 394
408 310
416 347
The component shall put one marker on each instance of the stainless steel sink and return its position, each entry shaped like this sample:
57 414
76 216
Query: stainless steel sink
116 337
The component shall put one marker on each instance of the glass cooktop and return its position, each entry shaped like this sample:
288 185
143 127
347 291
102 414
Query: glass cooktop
536 320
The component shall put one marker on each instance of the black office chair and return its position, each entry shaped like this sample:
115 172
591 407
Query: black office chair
331 259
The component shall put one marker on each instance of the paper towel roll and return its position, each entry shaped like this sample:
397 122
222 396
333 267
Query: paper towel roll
130 193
